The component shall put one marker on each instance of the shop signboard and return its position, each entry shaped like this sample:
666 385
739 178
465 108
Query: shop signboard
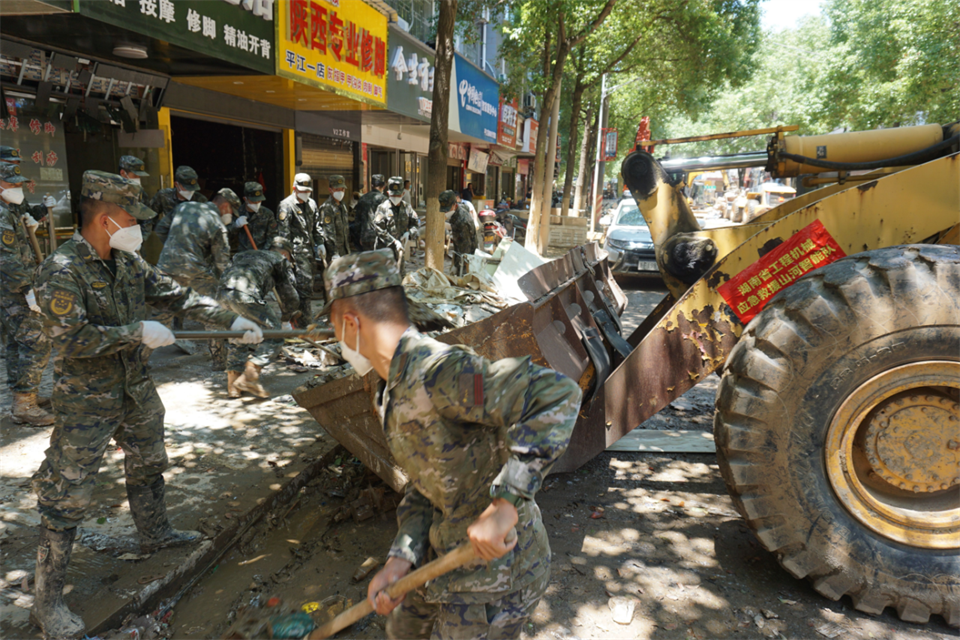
530 129
523 166
477 162
338 45
43 151
507 124
410 76
237 31
476 97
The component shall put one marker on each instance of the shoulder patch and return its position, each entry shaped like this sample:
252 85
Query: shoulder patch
471 389
8 237
61 303
282 215
98 285
328 220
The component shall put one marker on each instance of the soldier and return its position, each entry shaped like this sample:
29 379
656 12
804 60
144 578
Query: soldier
27 348
396 221
244 288
261 221
197 252
299 223
476 438
37 212
186 187
333 220
461 229
362 232
102 388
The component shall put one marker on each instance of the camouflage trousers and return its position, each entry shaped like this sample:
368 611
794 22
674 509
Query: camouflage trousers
205 286
27 348
81 435
250 307
498 620
305 272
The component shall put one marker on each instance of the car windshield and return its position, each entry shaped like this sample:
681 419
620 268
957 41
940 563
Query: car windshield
631 217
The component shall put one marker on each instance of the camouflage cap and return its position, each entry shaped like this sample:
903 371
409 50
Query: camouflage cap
337 182
110 187
10 154
134 165
377 180
357 273
395 186
187 178
279 243
230 196
447 199
10 173
253 191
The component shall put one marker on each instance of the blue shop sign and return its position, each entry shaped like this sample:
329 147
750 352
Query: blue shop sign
477 98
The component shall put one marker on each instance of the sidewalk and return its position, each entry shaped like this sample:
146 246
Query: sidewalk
230 461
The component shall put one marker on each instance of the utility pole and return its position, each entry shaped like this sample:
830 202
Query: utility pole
598 166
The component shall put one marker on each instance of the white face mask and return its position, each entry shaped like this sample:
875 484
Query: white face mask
226 218
253 206
14 195
338 195
302 196
127 238
396 199
186 195
360 364
134 180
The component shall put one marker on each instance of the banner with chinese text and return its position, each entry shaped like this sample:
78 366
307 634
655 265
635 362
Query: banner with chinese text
609 152
748 292
241 32
507 124
340 46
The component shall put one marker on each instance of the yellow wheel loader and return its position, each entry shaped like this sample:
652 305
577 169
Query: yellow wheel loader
835 320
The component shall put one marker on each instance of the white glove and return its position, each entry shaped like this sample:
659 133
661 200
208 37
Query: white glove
155 335
29 221
49 201
242 221
286 326
404 237
321 251
32 301
253 334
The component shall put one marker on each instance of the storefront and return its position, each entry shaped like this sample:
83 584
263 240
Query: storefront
476 97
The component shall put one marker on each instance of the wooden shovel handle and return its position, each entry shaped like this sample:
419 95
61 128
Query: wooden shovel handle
250 238
456 558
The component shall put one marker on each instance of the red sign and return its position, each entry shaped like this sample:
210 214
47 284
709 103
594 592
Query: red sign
748 292
643 133
507 124
609 149
523 166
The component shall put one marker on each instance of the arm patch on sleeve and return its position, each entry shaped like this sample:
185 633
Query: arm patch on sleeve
471 389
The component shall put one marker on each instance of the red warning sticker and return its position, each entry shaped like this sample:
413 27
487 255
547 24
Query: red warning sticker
810 248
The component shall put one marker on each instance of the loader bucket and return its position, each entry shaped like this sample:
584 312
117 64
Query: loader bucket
570 323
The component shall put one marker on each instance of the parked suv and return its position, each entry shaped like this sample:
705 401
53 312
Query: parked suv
628 242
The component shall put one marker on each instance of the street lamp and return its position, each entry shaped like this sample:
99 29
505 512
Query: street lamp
601 122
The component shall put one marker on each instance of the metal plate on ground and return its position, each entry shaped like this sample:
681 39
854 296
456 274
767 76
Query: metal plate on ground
657 441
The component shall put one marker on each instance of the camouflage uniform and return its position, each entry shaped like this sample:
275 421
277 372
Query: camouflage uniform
102 390
299 222
465 429
392 221
464 235
11 155
166 200
334 224
196 253
244 288
366 233
263 224
27 349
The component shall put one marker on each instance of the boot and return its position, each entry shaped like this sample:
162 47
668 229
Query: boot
49 612
150 515
26 411
43 401
250 381
232 391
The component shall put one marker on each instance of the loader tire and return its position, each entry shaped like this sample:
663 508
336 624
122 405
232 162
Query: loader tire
878 326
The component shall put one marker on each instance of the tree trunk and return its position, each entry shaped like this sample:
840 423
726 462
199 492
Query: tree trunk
439 117
572 147
586 158
546 208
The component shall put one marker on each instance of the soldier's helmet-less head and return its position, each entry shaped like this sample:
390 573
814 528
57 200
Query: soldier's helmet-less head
187 178
253 192
134 165
10 173
358 273
395 186
447 199
377 180
10 154
109 187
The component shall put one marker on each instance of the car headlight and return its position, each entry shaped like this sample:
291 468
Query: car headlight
619 245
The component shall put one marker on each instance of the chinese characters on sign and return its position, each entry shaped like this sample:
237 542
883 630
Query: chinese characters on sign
808 249
340 46
609 145
410 77
507 124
